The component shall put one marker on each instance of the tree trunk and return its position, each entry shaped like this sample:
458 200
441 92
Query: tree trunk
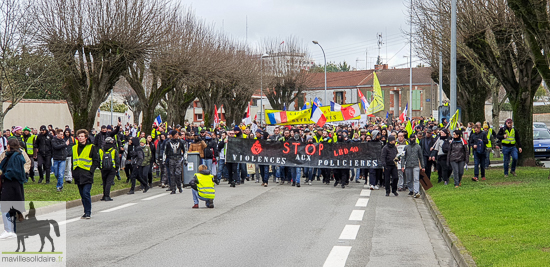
137 112
523 121
473 111
495 121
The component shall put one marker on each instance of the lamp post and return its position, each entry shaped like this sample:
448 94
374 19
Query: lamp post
324 56
262 87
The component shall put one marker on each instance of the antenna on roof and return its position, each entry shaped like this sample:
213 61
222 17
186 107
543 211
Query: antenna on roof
380 43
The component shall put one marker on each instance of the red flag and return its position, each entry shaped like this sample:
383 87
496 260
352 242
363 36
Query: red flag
216 117
351 112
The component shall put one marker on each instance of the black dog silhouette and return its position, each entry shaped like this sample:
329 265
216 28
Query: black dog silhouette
31 227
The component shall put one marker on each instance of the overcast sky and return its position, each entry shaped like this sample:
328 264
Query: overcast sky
346 29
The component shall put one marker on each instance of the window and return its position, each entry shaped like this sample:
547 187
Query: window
339 98
199 117
256 102
416 100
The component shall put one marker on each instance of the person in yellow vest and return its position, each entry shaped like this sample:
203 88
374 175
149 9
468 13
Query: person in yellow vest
29 141
511 144
85 162
491 136
108 164
203 187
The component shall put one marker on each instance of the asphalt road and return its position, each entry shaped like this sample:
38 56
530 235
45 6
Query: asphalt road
316 225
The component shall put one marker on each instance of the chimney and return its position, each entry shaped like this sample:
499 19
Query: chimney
381 67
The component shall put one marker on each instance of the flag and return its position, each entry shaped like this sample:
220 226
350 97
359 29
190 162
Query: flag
351 112
305 106
454 122
403 115
216 117
318 102
317 115
256 117
277 117
387 114
157 121
247 118
284 106
335 106
282 42
377 103
409 128
364 101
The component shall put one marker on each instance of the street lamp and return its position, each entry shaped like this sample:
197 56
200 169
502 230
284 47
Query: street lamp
317 43
262 87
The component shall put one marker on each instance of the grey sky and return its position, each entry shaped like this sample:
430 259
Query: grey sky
345 29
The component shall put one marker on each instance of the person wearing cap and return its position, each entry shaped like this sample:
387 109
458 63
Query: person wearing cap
29 141
174 154
17 134
85 162
511 144
44 154
59 155
387 161
108 165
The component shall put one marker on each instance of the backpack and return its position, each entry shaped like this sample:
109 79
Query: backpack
480 146
107 161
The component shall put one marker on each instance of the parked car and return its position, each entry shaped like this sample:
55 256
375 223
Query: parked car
541 140
539 125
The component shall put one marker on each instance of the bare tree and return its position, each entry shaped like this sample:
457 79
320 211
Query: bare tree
22 66
284 70
93 42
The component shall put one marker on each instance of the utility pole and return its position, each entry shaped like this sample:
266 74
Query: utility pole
410 66
453 58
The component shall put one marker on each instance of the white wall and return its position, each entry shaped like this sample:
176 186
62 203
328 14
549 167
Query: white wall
34 113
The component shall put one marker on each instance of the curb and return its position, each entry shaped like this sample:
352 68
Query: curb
95 198
461 255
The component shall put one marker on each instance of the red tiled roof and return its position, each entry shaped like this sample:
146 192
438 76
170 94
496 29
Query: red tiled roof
352 79
339 79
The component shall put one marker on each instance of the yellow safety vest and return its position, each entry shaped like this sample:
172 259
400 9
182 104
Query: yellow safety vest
30 144
205 186
511 140
154 133
318 139
489 133
83 161
113 155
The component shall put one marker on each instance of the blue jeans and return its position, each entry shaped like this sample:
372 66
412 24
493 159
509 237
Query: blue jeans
208 163
264 173
479 162
296 173
84 190
508 151
355 173
222 170
8 225
58 169
196 197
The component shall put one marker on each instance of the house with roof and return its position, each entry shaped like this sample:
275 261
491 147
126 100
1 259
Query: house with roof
342 88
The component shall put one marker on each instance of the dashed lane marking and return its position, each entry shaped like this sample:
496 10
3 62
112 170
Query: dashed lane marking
365 193
357 215
119 207
338 256
156 196
349 232
362 202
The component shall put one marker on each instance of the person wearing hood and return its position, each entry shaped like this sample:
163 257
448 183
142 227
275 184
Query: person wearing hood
210 151
108 165
44 154
59 155
30 143
85 161
387 161
67 136
439 153
137 157
202 185
413 161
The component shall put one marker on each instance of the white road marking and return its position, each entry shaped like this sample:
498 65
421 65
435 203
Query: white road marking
349 232
365 193
69 221
119 207
156 196
337 257
357 215
362 202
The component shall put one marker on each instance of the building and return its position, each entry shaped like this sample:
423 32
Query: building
342 88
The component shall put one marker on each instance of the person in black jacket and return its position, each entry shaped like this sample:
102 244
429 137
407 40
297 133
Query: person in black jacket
153 149
108 172
210 152
137 159
387 160
478 141
84 178
174 153
44 154
59 154
426 144
106 131
67 136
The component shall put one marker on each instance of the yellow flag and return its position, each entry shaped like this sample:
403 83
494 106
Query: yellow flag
454 121
377 103
409 128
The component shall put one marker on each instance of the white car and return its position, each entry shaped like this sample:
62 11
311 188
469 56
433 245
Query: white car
540 125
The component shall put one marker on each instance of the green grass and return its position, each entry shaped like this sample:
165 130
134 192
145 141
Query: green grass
501 221
48 192
491 157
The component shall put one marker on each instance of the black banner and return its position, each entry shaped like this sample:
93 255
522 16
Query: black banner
298 154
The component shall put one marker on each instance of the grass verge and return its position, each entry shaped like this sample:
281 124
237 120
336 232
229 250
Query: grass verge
501 221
